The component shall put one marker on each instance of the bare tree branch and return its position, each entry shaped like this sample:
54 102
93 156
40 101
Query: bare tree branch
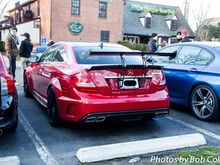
201 16
3 9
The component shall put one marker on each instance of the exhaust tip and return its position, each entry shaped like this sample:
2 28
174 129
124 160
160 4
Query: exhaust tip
94 119
100 119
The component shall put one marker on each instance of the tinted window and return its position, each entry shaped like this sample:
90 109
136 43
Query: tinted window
165 60
187 55
82 56
169 49
41 49
48 55
60 55
204 58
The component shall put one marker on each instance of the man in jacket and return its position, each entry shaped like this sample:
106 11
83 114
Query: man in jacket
25 52
152 44
11 48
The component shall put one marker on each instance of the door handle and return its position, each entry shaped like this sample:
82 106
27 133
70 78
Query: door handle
193 70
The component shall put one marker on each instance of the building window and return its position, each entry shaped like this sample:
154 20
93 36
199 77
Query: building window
103 9
174 24
148 21
105 36
76 7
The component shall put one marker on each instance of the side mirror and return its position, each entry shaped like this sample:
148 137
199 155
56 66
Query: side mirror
32 59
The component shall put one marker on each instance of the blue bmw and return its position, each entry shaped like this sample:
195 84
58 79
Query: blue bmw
193 77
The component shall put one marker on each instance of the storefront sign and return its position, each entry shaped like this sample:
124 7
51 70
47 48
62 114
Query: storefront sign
160 11
75 27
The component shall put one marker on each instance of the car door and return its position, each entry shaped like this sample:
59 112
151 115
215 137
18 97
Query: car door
41 71
53 68
182 70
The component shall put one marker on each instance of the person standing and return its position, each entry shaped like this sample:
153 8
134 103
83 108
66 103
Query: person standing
152 44
51 42
179 36
11 48
185 36
25 50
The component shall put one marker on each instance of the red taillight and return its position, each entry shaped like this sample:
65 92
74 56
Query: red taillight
158 78
83 82
7 86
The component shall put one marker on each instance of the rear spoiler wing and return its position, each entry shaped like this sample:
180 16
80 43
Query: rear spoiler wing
143 54
146 56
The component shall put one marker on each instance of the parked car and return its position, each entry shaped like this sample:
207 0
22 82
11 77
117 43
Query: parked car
193 77
8 100
93 82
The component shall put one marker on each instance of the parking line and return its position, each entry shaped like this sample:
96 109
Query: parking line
42 150
211 134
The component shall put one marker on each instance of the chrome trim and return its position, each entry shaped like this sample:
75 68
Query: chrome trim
127 77
40 99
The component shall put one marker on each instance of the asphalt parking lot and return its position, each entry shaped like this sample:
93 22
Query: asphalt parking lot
36 141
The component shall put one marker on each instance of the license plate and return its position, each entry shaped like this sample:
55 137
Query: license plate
128 84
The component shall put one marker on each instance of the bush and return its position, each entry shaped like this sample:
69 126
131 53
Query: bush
141 47
2 46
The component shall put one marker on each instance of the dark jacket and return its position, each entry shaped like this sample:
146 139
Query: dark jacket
25 48
11 46
186 39
152 46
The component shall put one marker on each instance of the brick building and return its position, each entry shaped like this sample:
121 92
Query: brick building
69 20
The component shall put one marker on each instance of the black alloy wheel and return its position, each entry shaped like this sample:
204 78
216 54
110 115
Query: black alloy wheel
204 103
52 108
27 92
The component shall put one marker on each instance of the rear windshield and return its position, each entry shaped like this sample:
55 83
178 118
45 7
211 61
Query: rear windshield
82 57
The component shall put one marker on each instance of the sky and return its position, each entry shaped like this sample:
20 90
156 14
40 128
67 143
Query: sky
194 7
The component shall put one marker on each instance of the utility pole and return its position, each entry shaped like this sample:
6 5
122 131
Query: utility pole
186 10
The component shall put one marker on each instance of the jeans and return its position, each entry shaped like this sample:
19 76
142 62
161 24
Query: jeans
12 66
23 66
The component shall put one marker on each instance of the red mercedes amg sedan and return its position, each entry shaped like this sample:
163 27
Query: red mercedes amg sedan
93 82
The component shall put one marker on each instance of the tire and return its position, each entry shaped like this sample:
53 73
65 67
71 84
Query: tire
52 109
14 126
27 92
204 103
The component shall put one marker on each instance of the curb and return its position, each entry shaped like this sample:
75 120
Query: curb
11 160
119 150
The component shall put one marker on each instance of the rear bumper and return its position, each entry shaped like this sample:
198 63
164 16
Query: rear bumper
124 115
76 110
